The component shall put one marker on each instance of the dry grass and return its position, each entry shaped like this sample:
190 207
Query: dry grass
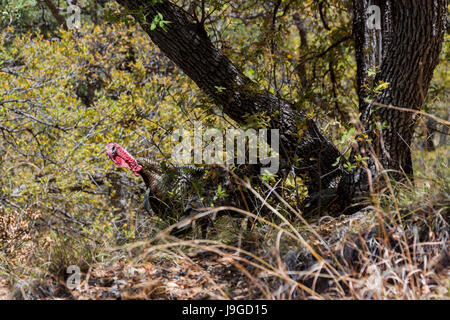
398 248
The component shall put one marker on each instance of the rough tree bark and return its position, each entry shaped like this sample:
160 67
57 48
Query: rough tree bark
412 33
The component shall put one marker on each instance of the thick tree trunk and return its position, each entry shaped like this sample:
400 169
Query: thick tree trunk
406 52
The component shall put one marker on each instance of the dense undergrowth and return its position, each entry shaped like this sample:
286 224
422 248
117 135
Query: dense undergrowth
64 95
397 248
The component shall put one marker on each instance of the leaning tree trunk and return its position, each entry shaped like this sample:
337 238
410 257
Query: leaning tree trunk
411 37
404 53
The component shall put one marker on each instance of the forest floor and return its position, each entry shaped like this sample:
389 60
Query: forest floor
4 290
196 278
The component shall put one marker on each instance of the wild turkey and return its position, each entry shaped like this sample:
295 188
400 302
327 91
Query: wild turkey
171 189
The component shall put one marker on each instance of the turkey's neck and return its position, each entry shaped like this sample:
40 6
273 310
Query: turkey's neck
150 173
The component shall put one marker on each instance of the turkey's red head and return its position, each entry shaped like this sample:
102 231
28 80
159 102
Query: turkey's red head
122 158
